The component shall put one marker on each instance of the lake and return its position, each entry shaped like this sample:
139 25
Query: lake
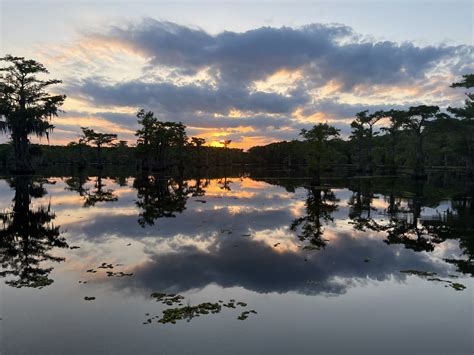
236 263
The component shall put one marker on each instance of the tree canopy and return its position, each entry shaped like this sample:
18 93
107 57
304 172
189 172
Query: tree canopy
25 105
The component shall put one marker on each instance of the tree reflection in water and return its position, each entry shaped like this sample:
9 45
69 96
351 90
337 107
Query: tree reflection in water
99 192
159 197
28 236
321 203
406 224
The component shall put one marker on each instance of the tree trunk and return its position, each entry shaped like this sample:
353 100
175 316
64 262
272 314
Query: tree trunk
419 171
359 158
99 156
369 168
22 157
393 165
470 158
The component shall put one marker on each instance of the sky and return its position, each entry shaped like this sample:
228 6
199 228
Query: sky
254 72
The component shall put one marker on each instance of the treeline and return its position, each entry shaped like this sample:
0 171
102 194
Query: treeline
43 156
390 140
444 146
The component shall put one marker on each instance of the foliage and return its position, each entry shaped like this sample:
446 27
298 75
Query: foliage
318 151
98 139
27 236
25 106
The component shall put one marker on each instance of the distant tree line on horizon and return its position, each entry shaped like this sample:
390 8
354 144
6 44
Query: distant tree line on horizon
385 140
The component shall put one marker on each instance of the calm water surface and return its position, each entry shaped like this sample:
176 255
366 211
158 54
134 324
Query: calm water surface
359 266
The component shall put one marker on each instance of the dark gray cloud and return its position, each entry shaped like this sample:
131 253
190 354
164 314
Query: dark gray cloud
324 52
257 266
175 99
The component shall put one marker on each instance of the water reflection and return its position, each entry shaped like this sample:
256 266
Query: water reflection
402 220
98 192
266 235
281 246
159 197
320 205
28 237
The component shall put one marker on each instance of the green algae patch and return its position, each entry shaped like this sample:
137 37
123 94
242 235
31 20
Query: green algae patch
458 286
245 314
171 315
188 312
167 299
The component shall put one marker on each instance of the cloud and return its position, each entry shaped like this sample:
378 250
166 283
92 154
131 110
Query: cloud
173 98
279 80
324 52
258 267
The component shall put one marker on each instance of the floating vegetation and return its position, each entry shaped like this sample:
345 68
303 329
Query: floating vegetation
89 298
244 315
457 286
91 271
74 247
118 274
429 276
106 266
168 299
82 282
171 315
227 231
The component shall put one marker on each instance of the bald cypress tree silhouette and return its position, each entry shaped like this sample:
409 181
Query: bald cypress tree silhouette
25 106
27 237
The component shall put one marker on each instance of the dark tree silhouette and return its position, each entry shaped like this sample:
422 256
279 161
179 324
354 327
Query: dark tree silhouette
365 122
224 183
98 194
159 197
91 196
360 205
358 135
404 225
320 205
396 119
79 147
466 113
198 189
98 139
198 143
76 183
317 139
27 237
417 119
156 139
25 106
